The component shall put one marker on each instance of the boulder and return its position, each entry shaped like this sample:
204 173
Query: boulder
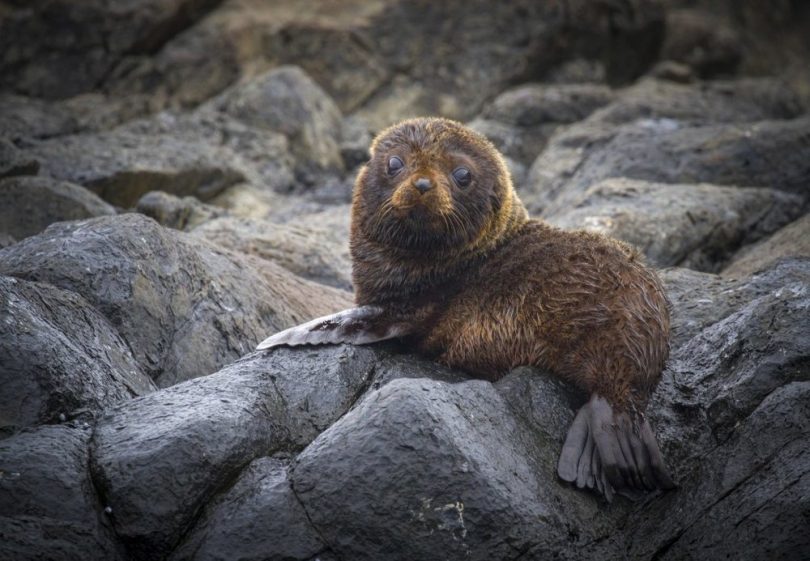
59 357
309 251
175 212
791 241
258 519
15 162
774 154
29 204
287 101
695 226
706 43
184 307
48 504
160 458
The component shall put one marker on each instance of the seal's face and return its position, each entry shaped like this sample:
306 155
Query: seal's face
430 184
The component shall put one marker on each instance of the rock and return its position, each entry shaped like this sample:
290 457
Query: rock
262 157
287 101
6 240
259 518
177 213
14 162
791 241
773 154
184 307
56 49
731 101
59 357
30 204
24 117
436 471
308 251
47 500
355 140
694 226
521 120
160 458
706 44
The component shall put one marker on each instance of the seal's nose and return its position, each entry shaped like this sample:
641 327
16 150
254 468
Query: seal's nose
423 184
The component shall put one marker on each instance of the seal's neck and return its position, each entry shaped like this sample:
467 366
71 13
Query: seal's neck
383 273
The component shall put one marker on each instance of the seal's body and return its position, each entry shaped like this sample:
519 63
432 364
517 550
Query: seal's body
445 256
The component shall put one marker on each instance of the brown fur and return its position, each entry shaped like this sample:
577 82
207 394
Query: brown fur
491 289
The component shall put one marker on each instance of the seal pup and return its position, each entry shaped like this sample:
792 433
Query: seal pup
445 256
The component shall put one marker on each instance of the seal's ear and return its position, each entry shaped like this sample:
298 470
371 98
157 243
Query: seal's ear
359 326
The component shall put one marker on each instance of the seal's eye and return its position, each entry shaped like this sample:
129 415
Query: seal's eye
394 165
462 177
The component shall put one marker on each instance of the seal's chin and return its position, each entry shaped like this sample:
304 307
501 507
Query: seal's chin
419 228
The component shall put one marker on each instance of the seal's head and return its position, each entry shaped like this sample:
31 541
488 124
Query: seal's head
433 184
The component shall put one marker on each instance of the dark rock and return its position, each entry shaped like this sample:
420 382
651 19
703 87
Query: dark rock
29 204
435 471
121 166
355 140
259 518
177 213
705 43
694 226
14 162
48 507
308 251
6 240
287 101
732 101
184 307
56 49
520 121
773 154
59 357
159 459
791 241
24 117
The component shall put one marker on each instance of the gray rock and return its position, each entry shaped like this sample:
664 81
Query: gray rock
705 43
791 241
184 307
160 458
15 162
48 506
695 226
175 212
259 518
30 204
308 251
435 471
774 154
56 49
121 166
732 101
59 357
355 140
287 101
25 117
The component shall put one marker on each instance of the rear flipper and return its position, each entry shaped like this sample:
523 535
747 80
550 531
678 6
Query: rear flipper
360 326
612 453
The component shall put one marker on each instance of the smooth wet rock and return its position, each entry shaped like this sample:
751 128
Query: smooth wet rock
287 101
307 251
435 471
48 505
694 226
185 308
30 204
159 459
259 518
792 240
773 154
59 358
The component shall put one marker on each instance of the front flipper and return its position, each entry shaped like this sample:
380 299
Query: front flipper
612 453
359 326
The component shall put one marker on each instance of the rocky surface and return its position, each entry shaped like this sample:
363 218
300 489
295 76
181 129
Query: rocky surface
175 180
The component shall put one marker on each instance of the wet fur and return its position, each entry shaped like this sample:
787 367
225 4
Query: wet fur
485 289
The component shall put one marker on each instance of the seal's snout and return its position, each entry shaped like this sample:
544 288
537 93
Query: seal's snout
422 184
